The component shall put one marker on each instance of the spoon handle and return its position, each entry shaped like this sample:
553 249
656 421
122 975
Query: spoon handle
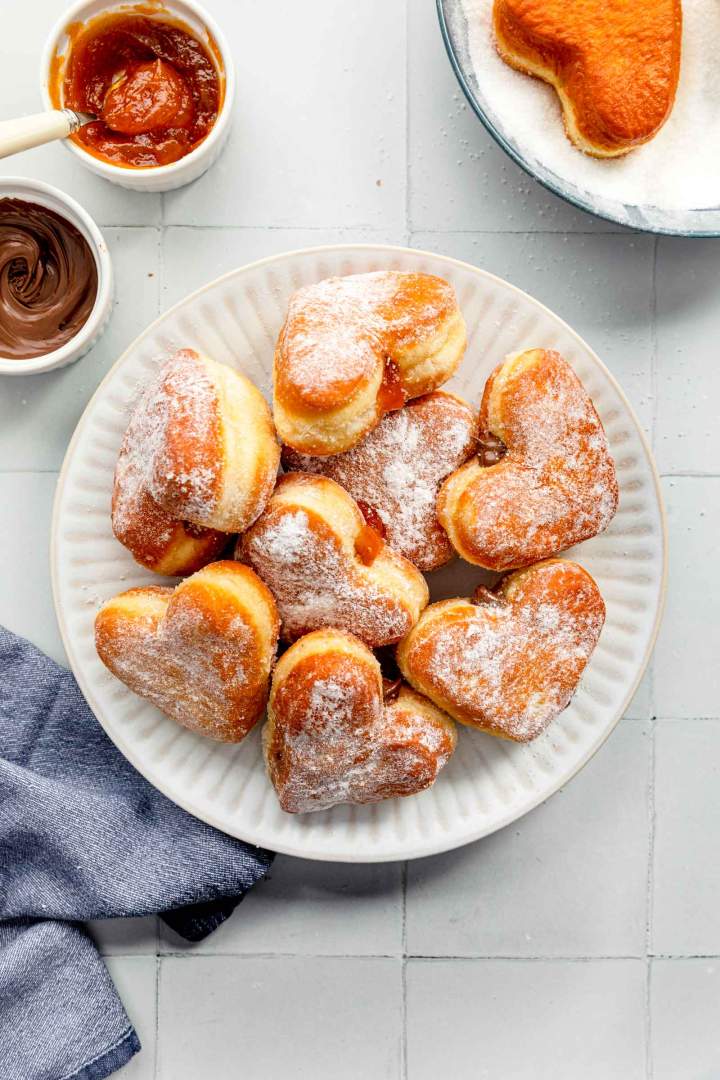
29 131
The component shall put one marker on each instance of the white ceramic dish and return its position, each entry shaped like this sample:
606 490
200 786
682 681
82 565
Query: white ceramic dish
702 219
489 782
199 160
35 191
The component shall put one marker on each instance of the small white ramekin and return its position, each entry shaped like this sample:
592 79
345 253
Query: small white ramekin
35 191
158 177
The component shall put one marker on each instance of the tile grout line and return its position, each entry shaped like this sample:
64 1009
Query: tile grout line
653 347
403 977
408 227
157 1011
365 227
688 719
161 269
688 475
653 420
471 957
650 901
547 959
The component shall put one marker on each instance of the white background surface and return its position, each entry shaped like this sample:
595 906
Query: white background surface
584 940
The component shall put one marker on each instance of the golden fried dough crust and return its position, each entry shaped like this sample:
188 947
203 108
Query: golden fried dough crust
199 459
332 738
614 63
508 661
395 472
326 567
554 483
201 653
353 348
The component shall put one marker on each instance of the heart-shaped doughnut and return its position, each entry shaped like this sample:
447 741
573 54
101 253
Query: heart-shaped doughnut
353 348
333 737
509 660
155 539
201 653
200 453
396 471
614 63
543 479
326 567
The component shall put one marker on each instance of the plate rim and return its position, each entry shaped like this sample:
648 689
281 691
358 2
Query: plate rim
578 202
148 772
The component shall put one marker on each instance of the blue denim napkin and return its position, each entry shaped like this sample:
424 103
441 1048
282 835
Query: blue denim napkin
84 836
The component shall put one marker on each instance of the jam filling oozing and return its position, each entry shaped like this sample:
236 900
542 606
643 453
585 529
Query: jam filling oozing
372 518
392 396
368 545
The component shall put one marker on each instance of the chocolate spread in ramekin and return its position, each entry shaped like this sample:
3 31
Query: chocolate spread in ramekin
48 280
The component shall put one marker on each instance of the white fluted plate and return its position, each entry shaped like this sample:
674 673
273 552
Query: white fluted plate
489 782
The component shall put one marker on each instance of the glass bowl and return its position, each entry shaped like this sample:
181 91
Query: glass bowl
703 221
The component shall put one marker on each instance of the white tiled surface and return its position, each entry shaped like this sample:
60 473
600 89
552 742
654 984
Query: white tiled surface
314 1018
136 978
531 1020
583 940
568 880
302 909
685 996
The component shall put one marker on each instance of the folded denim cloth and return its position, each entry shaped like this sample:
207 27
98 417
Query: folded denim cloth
84 836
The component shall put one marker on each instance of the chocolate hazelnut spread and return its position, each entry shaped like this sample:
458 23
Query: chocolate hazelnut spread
48 280
483 595
490 449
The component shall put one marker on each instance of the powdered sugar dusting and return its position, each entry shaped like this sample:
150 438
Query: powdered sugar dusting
181 423
339 329
316 583
556 485
285 541
338 743
334 329
397 470
511 664
210 679
180 398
